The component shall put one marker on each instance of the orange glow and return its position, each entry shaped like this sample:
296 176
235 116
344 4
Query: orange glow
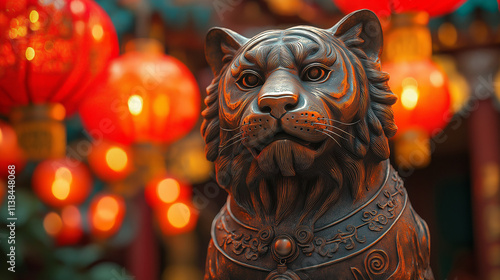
424 98
161 105
97 32
285 7
168 190
176 218
107 208
10 151
52 223
178 215
135 104
61 188
106 215
106 212
409 93
116 158
409 97
84 41
30 53
77 7
58 112
111 162
61 182
34 16
447 34
64 228
436 78
71 216
159 94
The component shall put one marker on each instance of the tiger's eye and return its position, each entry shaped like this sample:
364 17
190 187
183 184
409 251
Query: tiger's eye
250 80
314 74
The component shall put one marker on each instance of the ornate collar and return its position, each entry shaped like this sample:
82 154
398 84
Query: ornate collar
341 239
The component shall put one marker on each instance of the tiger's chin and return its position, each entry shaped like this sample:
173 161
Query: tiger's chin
288 157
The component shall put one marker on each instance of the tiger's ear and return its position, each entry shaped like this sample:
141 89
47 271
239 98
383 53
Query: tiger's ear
220 46
362 29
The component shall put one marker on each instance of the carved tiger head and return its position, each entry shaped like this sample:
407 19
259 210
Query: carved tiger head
293 116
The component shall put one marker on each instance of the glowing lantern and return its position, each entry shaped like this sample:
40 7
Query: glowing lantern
65 228
11 153
53 53
150 97
423 105
166 190
106 214
424 98
285 7
176 218
61 182
110 162
388 7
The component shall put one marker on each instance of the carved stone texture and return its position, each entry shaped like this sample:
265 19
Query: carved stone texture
297 123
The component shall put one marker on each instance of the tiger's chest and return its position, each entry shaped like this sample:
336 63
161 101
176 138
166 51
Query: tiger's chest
368 243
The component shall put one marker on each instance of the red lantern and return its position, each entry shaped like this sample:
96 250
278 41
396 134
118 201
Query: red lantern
176 218
65 228
62 182
106 214
166 190
423 95
52 51
388 7
150 97
110 162
11 153
424 99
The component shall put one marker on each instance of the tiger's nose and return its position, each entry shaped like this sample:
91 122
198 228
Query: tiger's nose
279 94
277 104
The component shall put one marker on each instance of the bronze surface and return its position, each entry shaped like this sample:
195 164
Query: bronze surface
297 123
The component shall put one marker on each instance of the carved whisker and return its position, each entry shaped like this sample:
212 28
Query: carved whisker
233 129
329 136
336 128
230 139
235 142
333 132
353 123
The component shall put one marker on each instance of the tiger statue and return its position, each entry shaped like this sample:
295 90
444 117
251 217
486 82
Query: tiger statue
297 123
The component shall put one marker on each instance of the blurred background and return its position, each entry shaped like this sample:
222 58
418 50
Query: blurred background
102 166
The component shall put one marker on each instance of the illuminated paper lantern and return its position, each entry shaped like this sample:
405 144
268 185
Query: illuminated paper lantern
109 161
106 214
61 182
150 97
53 53
166 190
423 106
388 7
179 217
